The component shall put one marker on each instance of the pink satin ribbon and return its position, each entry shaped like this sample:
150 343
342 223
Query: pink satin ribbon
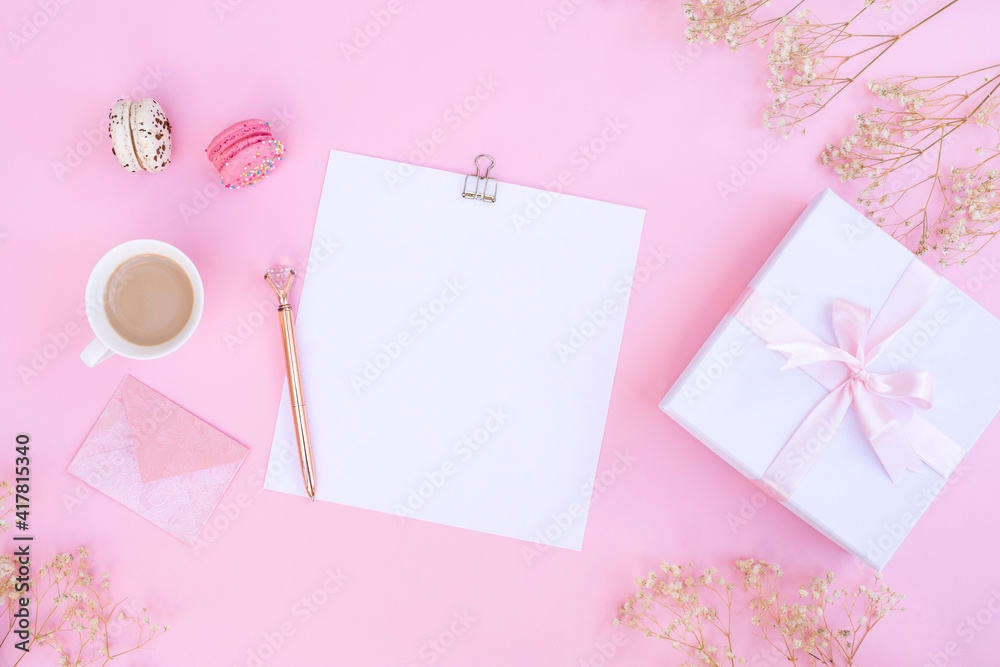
899 443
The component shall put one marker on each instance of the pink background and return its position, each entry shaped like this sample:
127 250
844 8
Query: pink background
690 117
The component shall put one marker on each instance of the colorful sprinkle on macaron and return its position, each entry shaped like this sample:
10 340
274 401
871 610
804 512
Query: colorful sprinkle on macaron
245 153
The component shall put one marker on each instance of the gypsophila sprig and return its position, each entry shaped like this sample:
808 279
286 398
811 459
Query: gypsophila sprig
693 612
971 211
951 210
810 61
692 622
731 21
73 612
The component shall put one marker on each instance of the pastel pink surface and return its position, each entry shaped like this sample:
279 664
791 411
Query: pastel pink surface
159 460
610 98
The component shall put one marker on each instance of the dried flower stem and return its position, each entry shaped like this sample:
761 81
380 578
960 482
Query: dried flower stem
887 142
806 74
71 608
800 631
679 595
812 62
731 21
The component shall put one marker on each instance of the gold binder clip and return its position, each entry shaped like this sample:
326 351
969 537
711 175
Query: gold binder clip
483 187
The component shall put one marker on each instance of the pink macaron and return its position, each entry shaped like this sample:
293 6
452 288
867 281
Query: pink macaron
245 153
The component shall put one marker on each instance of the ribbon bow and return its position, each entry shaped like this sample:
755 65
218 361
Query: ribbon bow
901 438
862 388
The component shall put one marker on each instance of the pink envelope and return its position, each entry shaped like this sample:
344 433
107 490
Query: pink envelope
158 459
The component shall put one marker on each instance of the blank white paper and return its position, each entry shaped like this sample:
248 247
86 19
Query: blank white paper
457 356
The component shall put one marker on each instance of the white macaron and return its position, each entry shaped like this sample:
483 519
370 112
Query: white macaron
140 135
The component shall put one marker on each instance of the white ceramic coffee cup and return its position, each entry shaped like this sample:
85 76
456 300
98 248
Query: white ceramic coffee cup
108 342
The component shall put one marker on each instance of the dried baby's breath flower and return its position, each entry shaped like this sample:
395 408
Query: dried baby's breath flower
804 631
909 192
971 211
952 212
810 61
730 21
72 613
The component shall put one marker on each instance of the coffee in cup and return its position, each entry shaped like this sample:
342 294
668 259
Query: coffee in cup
144 299
148 299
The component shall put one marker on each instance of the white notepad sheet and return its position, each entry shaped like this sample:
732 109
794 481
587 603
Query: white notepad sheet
458 356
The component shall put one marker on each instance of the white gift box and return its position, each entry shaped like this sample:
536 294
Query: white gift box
736 397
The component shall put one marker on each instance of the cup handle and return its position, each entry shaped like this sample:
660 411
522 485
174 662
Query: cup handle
95 353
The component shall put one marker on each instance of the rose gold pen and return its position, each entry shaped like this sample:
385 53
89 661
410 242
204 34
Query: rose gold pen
280 279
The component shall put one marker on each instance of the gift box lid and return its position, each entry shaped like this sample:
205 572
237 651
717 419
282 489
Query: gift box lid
736 399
